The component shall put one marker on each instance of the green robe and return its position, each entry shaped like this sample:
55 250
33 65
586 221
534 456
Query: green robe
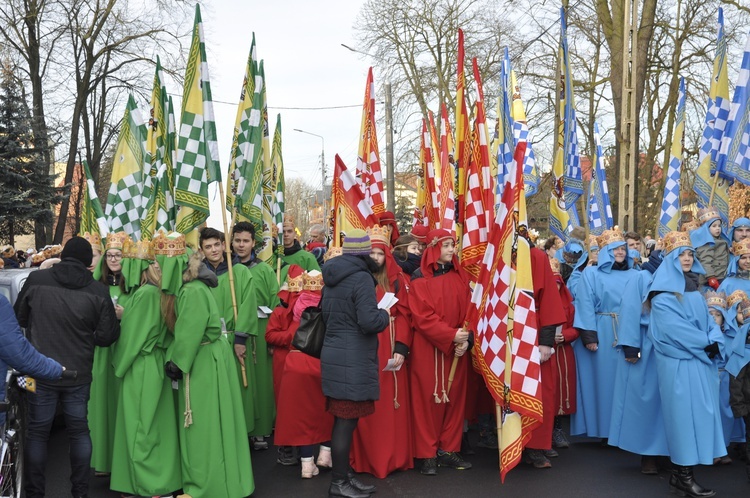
304 259
146 457
102 408
214 448
266 289
247 322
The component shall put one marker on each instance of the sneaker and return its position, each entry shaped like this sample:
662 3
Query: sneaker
429 467
559 440
259 443
286 456
453 460
309 469
536 458
324 457
551 453
488 440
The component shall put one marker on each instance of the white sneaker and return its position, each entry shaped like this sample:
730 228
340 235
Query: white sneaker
309 469
324 457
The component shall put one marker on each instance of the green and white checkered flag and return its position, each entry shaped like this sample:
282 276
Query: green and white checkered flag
197 149
277 163
125 198
92 214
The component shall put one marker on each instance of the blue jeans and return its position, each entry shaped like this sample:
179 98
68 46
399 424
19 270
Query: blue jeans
41 413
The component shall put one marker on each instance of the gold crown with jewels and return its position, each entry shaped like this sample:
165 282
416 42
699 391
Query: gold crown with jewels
168 245
555 264
294 284
674 239
380 234
94 239
332 252
610 236
707 213
312 281
741 247
716 299
689 226
735 297
138 250
116 240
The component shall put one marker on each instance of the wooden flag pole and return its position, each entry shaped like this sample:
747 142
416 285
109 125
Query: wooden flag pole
713 189
228 252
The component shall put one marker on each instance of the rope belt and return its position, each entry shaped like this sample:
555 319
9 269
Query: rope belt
392 331
615 325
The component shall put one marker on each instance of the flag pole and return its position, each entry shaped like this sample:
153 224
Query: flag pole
228 252
713 189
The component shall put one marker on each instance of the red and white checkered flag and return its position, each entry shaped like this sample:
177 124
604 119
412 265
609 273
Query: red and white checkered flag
369 176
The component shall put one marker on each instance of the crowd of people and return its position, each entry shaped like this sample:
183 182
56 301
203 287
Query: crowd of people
185 362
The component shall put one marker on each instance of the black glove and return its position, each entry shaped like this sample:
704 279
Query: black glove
173 371
631 352
712 350
69 375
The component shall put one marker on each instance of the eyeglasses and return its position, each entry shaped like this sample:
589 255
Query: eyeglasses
114 257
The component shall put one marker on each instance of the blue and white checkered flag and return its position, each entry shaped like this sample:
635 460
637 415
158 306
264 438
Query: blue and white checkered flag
600 209
506 144
734 156
670 205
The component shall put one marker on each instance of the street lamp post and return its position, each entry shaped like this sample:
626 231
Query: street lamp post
322 167
390 180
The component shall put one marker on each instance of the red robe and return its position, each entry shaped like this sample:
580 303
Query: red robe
549 312
382 441
565 358
279 335
438 306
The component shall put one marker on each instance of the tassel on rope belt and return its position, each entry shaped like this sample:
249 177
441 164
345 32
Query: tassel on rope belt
615 325
188 411
392 331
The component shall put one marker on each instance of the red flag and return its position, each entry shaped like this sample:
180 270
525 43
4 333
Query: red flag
350 209
463 133
486 179
447 199
433 180
503 297
369 175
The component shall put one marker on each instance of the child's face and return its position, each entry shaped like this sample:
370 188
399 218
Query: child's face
740 320
715 228
718 317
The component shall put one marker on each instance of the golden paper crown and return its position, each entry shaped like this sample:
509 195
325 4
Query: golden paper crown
609 237
735 297
138 250
707 213
593 242
533 235
744 308
332 252
94 239
380 234
7 251
294 284
741 247
673 240
555 264
116 240
716 299
288 221
168 245
312 281
689 226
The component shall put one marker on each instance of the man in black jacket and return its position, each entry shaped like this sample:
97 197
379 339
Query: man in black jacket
66 313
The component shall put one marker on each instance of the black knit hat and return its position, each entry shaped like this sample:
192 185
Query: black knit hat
80 249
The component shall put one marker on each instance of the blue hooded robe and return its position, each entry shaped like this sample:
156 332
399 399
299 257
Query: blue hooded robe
681 328
734 427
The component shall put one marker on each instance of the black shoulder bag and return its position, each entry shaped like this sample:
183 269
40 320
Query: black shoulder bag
311 332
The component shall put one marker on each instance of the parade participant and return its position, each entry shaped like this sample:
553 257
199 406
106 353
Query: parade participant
634 242
317 242
438 299
302 418
214 451
243 305
349 359
96 247
279 335
598 300
550 314
293 252
388 219
265 286
146 453
551 245
726 313
738 272
740 229
378 446
711 247
66 314
565 360
593 257
8 254
574 257
104 385
685 339
420 232
407 253
739 382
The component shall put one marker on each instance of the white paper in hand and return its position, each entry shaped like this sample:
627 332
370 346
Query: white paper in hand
389 299
389 367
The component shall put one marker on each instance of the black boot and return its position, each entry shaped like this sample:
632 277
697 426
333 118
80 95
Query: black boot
359 485
342 487
682 483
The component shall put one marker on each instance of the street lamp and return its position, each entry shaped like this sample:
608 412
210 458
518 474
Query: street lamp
322 166
389 167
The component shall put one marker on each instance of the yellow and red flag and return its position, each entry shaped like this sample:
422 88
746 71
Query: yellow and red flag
431 209
463 152
350 209
503 316
369 176
447 198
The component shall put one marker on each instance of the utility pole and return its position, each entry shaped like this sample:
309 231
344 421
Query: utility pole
629 157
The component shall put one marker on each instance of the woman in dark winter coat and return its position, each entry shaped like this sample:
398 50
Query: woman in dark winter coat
349 359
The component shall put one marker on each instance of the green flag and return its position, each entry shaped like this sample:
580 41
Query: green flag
278 166
92 214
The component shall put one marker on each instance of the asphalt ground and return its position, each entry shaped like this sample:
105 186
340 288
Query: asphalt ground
586 469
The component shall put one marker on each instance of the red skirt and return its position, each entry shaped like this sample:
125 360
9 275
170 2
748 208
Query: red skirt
344 408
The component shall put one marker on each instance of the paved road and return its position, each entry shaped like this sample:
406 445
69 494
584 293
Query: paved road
585 470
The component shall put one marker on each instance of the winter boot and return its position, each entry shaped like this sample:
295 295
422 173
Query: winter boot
682 483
